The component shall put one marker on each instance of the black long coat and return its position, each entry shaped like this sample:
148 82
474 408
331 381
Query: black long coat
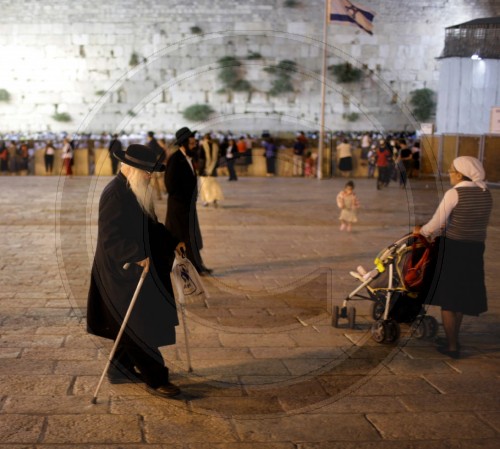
127 235
182 218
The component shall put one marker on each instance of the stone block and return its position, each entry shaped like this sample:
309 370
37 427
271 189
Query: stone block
430 426
98 428
256 340
80 39
458 402
471 382
300 427
234 368
53 405
191 428
39 384
20 428
387 385
302 28
251 26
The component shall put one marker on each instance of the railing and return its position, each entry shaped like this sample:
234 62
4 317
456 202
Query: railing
439 150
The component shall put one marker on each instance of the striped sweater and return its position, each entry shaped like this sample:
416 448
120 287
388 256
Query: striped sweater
469 218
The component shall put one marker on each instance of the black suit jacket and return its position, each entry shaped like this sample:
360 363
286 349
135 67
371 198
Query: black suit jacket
182 189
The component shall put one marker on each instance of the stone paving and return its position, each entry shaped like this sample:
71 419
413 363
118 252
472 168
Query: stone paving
269 369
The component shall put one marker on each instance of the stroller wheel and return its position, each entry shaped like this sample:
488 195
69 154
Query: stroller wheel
393 331
335 316
379 331
431 326
418 328
377 309
351 317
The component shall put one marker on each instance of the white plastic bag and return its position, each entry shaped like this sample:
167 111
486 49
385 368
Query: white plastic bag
186 281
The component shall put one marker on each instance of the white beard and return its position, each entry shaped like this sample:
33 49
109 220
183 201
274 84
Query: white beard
141 187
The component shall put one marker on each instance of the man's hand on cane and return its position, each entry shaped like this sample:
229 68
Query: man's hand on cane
144 264
181 249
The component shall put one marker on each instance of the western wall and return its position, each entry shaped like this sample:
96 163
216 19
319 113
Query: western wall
132 66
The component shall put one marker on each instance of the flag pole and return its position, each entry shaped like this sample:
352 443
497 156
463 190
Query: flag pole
323 94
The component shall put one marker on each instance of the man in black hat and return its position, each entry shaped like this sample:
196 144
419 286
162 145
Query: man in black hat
129 232
181 184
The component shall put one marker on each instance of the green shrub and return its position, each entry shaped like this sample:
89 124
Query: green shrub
100 93
229 61
134 59
351 117
346 73
424 105
254 55
281 86
196 30
230 75
61 117
241 86
287 65
283 77
197 112
291 3
4 95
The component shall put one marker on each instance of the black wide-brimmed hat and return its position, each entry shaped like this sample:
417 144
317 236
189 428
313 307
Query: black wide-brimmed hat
141 157
183 134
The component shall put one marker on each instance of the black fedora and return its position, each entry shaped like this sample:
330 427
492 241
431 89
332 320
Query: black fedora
183 134
141 157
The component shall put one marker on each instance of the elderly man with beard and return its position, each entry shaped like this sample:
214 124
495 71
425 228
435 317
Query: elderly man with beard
129 233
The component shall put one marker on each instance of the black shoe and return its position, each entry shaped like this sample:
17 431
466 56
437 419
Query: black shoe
165 391
205 271
122 376
445 351
443 341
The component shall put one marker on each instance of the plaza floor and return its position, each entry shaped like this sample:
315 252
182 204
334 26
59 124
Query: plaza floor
269 370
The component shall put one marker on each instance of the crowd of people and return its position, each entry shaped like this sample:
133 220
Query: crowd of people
393 156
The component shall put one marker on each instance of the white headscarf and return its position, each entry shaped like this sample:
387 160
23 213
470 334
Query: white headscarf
472 168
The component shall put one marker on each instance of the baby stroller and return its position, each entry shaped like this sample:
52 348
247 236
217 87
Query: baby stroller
397 287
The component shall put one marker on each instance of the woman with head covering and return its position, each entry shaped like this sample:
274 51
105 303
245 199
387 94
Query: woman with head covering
461 220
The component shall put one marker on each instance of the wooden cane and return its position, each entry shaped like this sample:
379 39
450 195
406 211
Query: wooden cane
122 329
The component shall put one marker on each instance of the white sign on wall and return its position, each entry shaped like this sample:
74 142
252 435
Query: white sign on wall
427 128
495 120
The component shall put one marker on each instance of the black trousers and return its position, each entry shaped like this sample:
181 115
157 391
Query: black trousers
232 172
149 362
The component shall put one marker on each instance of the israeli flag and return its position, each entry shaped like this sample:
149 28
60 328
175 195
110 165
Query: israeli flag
348 13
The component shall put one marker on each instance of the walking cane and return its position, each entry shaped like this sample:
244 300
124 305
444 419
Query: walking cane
180 298
188 353
122 329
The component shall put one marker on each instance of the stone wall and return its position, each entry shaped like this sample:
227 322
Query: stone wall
136 65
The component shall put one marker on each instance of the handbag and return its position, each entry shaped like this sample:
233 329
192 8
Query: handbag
186 281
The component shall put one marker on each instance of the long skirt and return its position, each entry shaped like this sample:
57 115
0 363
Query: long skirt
458 284
345 164
210 189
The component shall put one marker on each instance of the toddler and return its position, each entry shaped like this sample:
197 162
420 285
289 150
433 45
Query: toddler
348 203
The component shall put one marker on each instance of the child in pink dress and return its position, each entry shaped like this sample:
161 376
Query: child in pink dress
348 203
